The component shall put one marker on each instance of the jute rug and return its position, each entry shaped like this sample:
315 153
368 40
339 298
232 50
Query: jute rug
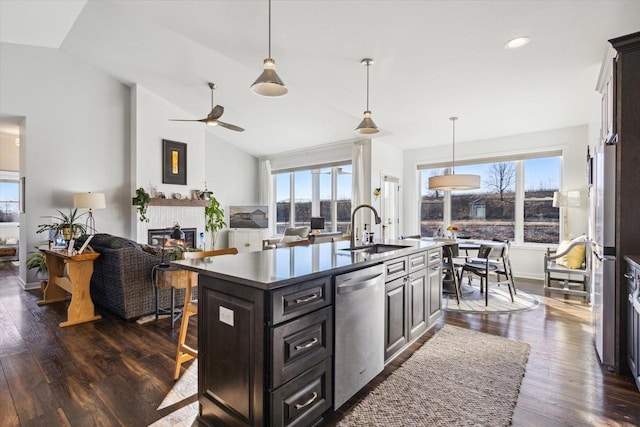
499 301
458 378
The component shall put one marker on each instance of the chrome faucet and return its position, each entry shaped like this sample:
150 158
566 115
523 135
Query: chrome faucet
353 216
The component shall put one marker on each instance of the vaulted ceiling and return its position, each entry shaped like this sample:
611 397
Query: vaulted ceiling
433 59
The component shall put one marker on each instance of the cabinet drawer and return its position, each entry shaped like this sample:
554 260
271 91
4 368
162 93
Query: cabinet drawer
435 256
296 300
396 268
417 262
303 400
300 344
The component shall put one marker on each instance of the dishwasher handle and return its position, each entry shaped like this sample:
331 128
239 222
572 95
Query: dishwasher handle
352 287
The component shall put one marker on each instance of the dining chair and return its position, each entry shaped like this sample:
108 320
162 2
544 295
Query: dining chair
505 269
185 352
490 258
450 269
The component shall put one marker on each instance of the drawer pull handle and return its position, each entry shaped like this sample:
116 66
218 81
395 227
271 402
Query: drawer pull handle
306 299
307 345
247 244
308 402
628 276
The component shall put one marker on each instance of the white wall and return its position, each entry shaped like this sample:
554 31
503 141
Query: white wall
526 258
75 136
231 174
385 160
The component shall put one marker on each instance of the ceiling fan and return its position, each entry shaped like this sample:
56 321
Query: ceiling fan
213 116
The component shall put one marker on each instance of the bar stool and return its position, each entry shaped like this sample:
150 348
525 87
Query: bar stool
185 352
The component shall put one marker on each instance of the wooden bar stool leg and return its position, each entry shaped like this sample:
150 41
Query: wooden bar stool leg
184 352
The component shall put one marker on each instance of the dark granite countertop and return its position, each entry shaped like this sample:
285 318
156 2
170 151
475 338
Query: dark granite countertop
270 269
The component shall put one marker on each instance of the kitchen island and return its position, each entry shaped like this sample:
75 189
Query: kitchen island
267 325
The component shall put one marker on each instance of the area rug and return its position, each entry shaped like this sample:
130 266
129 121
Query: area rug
457 378
499 301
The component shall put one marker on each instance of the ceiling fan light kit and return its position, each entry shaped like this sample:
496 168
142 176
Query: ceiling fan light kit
452 181
367 126
269 83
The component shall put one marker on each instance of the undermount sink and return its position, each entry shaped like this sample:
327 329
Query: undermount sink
377 248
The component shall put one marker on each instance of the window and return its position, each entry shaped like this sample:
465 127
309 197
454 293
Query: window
541 219
9 201
491 211
322 192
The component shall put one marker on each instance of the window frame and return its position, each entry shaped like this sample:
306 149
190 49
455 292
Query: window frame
315 192
519 190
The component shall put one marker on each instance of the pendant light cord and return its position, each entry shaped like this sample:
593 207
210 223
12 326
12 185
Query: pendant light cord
269 29
453 147
368 64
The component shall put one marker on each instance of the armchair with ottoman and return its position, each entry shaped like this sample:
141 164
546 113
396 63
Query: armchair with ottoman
121 280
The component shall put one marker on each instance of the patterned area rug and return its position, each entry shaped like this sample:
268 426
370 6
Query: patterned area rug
458 378
499 301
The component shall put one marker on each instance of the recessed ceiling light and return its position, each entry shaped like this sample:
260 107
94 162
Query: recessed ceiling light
517 42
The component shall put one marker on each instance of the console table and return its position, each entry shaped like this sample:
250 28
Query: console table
79 269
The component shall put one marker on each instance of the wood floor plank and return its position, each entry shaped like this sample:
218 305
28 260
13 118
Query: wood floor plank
116 373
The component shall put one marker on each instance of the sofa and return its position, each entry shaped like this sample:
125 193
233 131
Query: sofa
121 280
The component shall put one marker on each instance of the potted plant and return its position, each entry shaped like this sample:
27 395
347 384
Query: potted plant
214 220
37 261
67 225
141 201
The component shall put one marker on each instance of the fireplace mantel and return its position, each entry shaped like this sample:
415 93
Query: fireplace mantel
178 202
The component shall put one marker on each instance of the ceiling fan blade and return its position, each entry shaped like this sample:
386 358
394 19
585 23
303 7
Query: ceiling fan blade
181 120
216 112
230 126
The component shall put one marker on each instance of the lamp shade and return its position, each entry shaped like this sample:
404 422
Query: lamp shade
269 83
367 126
454 182
89 201
567 199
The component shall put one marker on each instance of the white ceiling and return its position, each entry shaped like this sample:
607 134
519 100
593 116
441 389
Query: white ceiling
433 59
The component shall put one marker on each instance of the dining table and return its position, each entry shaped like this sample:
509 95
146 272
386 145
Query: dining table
466 245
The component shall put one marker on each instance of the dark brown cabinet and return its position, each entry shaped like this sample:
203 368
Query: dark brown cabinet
265 357
413 298
632 279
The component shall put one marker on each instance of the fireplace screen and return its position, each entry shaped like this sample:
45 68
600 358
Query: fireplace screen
155 237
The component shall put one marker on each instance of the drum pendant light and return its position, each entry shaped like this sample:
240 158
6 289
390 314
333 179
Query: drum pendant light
269 83
367 126
452 181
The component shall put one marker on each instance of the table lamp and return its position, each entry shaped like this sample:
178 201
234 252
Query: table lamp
566 199
89 201
177 235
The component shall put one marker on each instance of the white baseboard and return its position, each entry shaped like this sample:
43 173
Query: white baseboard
28 286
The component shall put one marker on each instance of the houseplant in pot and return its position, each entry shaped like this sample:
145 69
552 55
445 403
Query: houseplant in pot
37 261
66 224
214 220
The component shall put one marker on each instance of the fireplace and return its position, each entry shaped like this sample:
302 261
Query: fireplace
155 236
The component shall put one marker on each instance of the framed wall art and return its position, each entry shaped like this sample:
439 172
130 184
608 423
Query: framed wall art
174 162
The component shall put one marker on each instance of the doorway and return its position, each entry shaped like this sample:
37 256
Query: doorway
391 206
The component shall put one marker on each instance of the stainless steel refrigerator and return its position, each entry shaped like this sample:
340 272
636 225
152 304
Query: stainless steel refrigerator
603 259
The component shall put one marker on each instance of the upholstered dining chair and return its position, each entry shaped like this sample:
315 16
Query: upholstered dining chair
490 259
185 352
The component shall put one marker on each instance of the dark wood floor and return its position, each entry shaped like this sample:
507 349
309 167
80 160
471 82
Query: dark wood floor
115 373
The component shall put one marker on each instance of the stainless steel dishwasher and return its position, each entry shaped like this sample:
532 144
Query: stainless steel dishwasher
359 330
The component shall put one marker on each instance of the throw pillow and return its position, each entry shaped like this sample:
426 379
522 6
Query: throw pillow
575 257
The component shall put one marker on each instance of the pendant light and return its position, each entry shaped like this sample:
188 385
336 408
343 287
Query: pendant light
366 126
269 83
452 181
